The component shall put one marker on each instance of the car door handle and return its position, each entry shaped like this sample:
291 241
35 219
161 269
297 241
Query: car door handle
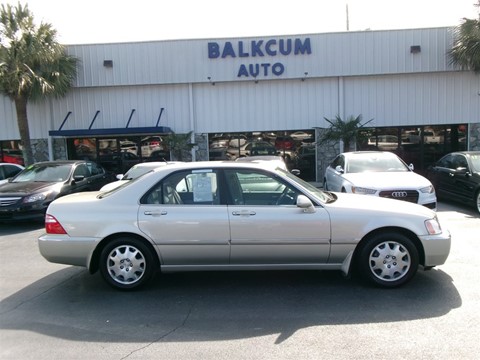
244 213
155 213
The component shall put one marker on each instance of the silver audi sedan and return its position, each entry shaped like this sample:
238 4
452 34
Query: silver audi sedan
238 216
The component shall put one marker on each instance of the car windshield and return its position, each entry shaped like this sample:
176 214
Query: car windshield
375 163
475 162
323 196
44 173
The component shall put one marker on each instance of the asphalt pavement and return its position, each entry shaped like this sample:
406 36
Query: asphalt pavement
51 311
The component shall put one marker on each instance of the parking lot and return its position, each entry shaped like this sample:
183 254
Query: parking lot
50 311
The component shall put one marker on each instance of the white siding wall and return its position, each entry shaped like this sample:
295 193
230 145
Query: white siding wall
8 119
267 105
371 73
440 98
333 54
115 105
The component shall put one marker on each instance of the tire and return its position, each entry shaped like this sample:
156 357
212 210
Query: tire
126 263
478 201
388 260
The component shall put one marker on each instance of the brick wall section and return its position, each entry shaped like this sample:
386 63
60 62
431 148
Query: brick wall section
201 152
474 140
326 152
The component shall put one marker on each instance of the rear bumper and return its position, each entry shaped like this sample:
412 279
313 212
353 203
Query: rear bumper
63 249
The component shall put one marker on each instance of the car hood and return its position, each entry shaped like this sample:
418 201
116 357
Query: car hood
387 180
380 206
28 187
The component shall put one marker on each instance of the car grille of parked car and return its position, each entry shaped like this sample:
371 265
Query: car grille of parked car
406 195
8 201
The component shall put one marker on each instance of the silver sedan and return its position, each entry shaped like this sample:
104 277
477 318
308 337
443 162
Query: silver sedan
238 216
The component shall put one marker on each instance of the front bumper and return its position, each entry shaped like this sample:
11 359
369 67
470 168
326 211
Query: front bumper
436 247
21 214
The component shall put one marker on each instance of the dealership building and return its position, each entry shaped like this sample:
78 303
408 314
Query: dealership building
128 96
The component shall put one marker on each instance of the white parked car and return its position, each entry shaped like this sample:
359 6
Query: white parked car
238 216
301 135
267 161
134 172
381 174
8 170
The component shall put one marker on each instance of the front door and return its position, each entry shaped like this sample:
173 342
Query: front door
266 225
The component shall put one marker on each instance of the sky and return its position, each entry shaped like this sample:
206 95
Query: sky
112 21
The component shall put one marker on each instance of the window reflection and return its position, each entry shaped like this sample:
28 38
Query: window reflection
118 154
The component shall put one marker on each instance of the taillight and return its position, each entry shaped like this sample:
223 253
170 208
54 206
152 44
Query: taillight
52 226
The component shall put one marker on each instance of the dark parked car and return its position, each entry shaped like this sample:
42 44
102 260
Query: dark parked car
304 161
28 194
456 177
254 148
159 155
119 162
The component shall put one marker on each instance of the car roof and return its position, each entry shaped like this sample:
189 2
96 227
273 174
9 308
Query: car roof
61 162
152 164
366 153
210 165
260 158
7 163
466 152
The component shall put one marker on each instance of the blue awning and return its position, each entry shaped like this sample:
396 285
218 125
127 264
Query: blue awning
111 131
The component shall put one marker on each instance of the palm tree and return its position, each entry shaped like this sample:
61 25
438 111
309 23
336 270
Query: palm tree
343 130
465 52
33 65
179 144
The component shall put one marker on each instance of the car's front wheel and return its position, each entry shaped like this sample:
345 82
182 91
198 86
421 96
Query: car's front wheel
388 259
478 201
126 263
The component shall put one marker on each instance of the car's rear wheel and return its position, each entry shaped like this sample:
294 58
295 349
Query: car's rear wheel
126 263
388 259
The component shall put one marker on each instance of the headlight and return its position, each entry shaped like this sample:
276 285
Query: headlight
363 191
36 197
433 226
428 190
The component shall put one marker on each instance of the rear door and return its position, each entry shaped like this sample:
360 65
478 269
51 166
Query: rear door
184 216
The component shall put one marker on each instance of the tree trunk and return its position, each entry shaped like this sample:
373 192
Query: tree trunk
22 120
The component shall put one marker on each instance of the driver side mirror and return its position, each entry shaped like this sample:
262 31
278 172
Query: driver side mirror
339 169
304 203
77 178
461 171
